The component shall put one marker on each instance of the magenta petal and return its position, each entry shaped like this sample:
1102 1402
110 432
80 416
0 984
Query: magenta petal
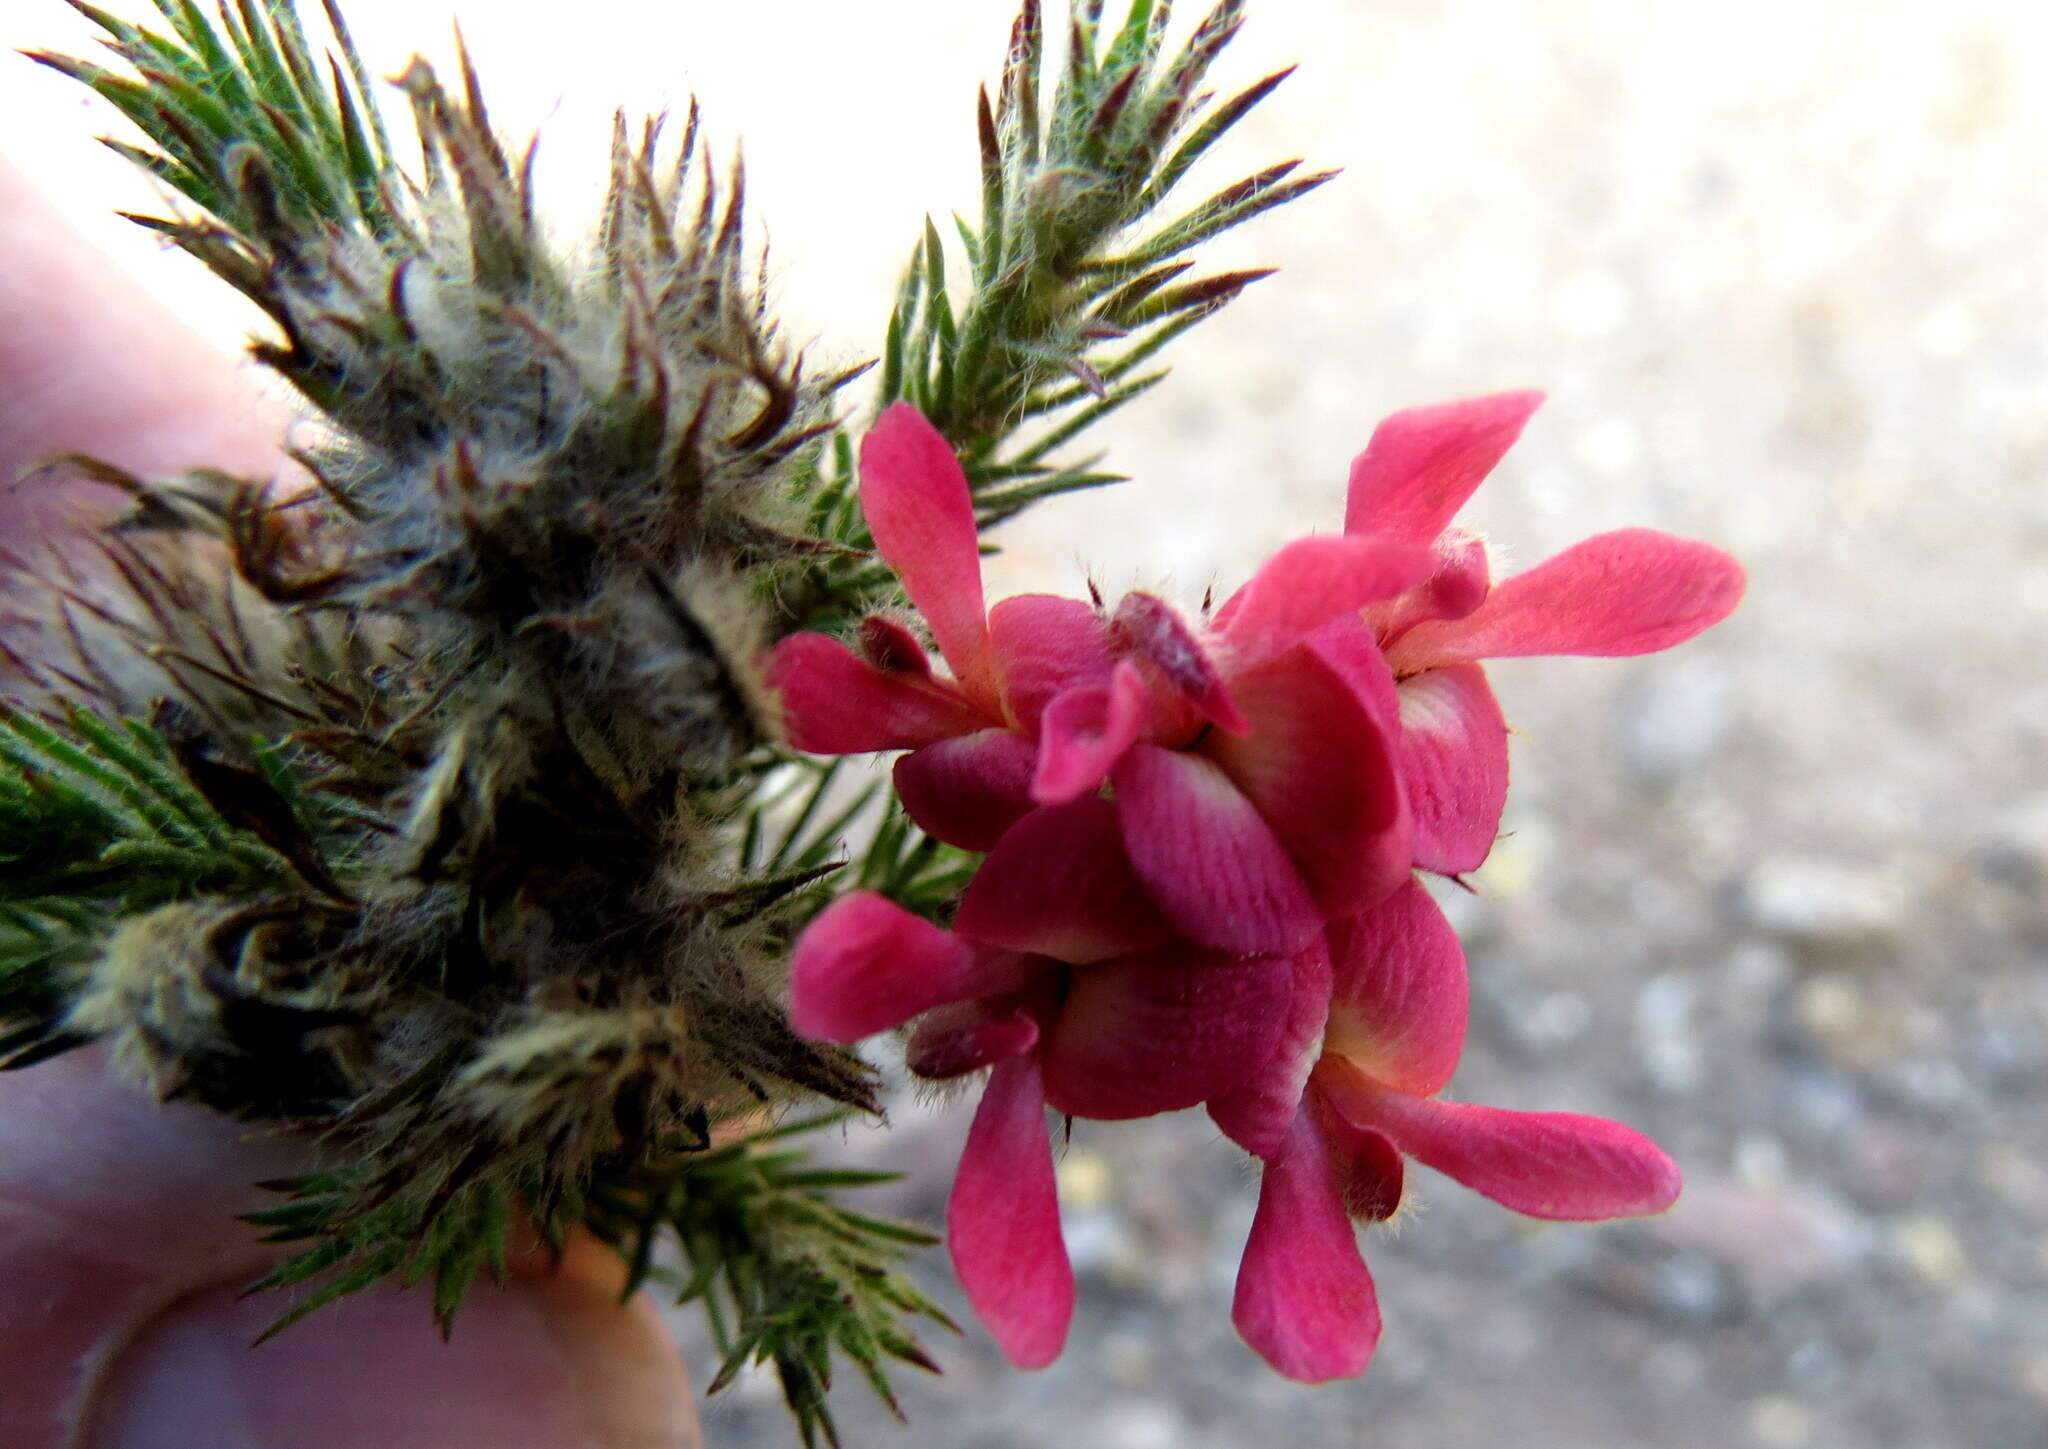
1557 1165
1084 732
1321 765
1216 869
889 645
1399 993
1162 1031
1044 645
919 509
1454 766
1304 1298
1457 585
836 703
1371 1173
967 1036
1003 1221
1256 1115
1309 582
968 791
1633 591
866 964
1059 885
1422 464
1152 632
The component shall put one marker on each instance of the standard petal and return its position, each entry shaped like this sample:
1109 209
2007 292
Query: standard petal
967 1036
919 509
1153 633
1454 766
1422 464
1003 1221
1556 1165
1162 1031
1399 994
969 790
1310 582
836 703
866 964
1304 1298
1215 868
1321 765
1059 884
1633 591
1256 1115
1044 645
1084 732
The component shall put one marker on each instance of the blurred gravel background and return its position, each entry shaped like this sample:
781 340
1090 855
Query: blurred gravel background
1779 898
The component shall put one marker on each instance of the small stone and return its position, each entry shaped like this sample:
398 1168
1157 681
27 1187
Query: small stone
1781 1422
1760 1161
1822 903
1130 1359
1666 1044
1675 718
1084 1179
1932 1249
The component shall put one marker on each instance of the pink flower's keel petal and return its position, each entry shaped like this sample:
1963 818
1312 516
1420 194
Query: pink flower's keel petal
1214 867
1162 1031
1003 1221
968 791
1371 1173
1633 591
1399 993
1321 765
836 703
919 509
1045 645
1422 464
891 647
1456 586
1151 632
1060 885
1310 582
1304 1298
866 964
1084 732
967 1036
1454 766
1557 1165
1256 1115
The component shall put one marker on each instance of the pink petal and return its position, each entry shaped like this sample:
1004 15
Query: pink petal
1320 765
921 514
967 1036
890 646
1059 885
866 964
1422 465
1084 732
1310 582
1256 1115
1162 1031
1633 591
1398 1001
1150 631
1371 1173
1556 1165
1304 1299
1215 868
1454 766
968 791
1045 645
1456 586
1003 1221
836 703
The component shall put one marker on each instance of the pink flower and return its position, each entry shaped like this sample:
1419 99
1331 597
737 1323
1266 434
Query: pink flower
1396 1025
1252 763
1077 994
1633 591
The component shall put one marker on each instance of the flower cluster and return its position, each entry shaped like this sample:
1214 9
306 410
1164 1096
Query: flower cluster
1201 842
